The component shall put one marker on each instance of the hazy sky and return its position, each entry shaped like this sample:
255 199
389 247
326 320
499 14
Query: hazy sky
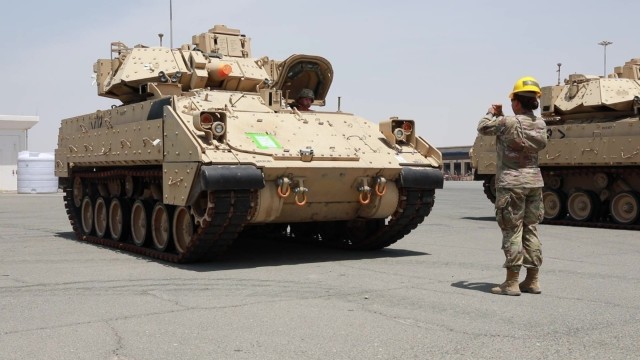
439 63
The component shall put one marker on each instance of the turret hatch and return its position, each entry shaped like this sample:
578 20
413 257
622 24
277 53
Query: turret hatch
303 72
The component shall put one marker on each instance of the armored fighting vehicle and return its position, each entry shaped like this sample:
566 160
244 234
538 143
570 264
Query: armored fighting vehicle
591 165
205 147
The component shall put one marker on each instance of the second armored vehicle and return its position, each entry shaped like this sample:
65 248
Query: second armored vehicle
205 147
591 165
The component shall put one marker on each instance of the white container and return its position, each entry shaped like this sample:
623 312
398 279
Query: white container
36 173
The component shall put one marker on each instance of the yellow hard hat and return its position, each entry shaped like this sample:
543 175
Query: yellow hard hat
526 85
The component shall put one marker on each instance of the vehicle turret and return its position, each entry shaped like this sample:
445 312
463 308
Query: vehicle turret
219 59
594 97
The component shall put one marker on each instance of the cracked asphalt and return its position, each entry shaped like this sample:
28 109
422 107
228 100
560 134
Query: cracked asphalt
425 297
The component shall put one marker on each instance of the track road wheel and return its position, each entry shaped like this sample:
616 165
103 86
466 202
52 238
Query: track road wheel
183 228
582 205
624 207
86 215
100 217
161 226
139 223
119 216
554 204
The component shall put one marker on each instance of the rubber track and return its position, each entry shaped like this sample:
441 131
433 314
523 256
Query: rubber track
229 214
413 207
486 185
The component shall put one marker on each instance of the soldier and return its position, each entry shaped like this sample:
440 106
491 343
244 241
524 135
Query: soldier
304 100
519 206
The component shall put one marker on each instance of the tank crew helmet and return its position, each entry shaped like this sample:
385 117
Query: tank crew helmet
526 86
306 93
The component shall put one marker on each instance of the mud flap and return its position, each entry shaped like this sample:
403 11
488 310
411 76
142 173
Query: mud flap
421 178
227 177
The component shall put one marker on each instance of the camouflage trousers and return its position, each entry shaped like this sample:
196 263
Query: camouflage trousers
518 211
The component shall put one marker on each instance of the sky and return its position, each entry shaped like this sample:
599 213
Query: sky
440 63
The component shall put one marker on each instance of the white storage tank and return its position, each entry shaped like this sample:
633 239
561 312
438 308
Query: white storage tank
36 173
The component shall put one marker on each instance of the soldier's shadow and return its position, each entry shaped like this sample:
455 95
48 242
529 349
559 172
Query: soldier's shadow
480 218
477 286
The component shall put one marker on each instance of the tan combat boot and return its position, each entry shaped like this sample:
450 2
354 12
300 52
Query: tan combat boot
530 283
509 286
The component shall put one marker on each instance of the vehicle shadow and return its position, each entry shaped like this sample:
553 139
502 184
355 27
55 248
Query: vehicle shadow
477 286
66 235
254 252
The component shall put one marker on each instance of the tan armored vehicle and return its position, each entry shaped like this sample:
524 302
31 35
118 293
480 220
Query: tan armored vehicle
206 147
591 165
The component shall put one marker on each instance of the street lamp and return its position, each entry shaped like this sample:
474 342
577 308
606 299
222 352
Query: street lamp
604 44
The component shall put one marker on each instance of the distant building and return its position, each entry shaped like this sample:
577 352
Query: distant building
457 164
13 139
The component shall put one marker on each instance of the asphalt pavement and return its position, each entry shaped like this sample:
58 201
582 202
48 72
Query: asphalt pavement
425 297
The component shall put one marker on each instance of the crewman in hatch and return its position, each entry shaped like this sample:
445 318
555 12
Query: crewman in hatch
304 100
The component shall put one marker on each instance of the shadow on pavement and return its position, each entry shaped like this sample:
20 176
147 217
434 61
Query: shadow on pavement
477 286
481 218
252 252
66 235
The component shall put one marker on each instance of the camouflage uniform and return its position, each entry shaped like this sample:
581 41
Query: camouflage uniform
519 206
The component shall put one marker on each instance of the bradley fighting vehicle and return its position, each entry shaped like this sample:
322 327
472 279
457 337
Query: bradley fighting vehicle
205 148
591 165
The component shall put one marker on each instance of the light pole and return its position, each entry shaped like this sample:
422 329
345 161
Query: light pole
604 44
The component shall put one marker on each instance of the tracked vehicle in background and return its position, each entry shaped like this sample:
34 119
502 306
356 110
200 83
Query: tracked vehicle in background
205 148
591 165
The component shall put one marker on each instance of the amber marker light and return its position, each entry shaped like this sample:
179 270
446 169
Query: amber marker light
224 71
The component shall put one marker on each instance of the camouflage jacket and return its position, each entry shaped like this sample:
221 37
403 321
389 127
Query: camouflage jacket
518 140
